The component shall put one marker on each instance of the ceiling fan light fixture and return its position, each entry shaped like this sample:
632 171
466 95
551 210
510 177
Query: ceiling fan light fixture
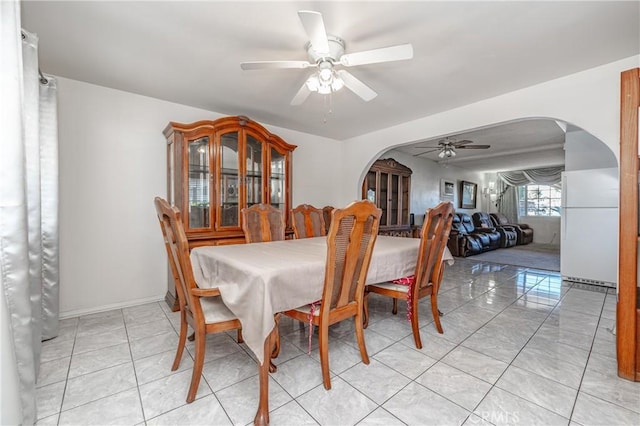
324 83
326 72
447 152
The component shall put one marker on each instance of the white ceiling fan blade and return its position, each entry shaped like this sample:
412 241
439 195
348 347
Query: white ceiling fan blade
314 26
260 65
301 96
356 86
385 54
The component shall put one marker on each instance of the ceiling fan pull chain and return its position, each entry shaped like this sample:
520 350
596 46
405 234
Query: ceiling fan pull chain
328 108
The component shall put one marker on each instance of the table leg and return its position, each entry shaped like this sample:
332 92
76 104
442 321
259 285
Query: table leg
262 416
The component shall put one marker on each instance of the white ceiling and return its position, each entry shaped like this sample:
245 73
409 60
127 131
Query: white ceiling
190 53
520 145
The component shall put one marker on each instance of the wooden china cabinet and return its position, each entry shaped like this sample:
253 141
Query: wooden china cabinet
388 184
216 168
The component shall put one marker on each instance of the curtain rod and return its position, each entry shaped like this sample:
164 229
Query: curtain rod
42 78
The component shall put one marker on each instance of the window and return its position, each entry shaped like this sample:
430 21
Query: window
539 200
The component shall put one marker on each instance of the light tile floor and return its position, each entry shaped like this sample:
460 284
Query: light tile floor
520 346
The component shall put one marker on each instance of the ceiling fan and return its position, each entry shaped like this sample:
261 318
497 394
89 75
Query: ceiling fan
448 147
325 52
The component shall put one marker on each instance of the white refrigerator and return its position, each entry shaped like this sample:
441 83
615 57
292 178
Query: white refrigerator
589 226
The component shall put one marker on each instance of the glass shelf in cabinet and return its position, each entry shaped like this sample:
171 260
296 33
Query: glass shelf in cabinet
195 168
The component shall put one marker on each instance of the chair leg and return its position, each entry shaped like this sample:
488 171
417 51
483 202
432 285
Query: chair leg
276 346
394 311
436 312
192 336
239 338
415 327
360 336
182 339
365 310
198 363
323 337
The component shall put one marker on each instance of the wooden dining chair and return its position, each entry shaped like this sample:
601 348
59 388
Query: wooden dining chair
350 242
307 221
326 214
262 223
428 273
201 308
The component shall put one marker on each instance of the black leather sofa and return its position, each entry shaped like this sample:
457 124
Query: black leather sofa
466 240
508 234
524 231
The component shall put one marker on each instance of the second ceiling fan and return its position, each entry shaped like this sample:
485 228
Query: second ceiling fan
448 148
325 52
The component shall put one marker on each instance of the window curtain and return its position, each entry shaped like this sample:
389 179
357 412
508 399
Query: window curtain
507 202
29 262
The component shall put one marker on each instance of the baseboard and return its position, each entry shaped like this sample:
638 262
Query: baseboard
589 281
95 310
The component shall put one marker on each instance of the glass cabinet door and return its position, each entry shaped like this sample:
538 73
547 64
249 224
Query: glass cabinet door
253 159
199 175
394 200
278 180
405 200
370 187
383 202
229 191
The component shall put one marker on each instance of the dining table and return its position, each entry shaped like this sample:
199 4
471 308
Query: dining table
258 280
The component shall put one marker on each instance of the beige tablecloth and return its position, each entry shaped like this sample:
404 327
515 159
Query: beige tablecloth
258 280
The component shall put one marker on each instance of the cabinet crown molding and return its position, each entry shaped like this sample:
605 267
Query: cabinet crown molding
241 121
392 164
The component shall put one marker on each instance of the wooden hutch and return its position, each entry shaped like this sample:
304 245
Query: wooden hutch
216 168
388 184
628 307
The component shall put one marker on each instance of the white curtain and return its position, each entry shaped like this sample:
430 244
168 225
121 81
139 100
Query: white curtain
507 202
544 176
28 204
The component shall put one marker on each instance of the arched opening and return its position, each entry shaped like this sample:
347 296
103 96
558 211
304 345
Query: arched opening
528 144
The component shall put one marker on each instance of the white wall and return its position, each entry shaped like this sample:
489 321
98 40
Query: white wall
584 151
546 229
112 165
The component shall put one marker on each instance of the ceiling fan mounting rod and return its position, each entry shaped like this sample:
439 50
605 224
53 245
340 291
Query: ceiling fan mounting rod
336 50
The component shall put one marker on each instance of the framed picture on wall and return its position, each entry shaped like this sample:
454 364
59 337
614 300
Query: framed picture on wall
468 193
447 190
